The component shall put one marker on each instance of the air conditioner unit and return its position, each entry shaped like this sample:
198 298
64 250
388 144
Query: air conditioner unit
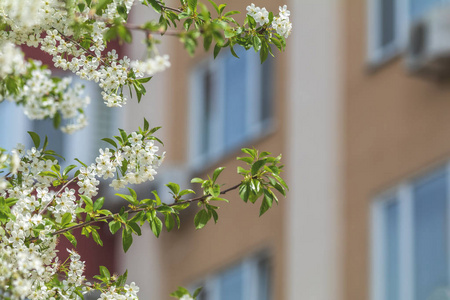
428 51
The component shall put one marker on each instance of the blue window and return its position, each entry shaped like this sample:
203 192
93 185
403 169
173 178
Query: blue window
231 104
410 239
248 280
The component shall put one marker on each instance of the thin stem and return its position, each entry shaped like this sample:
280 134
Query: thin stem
169 8
132 211
56 195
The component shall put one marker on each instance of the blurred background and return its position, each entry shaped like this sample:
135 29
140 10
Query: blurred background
359 105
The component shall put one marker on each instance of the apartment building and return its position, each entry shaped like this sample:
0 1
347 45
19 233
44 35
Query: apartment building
359 106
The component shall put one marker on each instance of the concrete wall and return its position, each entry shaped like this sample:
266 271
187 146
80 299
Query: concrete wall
314 211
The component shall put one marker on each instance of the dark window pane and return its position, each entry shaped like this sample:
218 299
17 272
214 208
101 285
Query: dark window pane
235 98
267 89
387 13
430 235
392 251
264 279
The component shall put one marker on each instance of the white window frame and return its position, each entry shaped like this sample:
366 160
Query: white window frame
249 267
403 195
255 127
378 54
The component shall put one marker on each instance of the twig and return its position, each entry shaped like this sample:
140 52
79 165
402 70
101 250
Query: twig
105 218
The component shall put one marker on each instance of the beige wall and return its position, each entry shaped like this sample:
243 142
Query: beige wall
396 125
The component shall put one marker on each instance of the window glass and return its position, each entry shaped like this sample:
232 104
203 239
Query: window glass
231 284
430 235
420 7
387 22
263 289
392 278
235 98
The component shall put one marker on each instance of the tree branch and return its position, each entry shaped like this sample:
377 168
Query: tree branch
132 211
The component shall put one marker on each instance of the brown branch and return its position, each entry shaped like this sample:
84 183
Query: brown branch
132 211
169 8
54 197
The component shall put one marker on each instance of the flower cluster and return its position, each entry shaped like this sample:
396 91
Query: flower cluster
49 27
280 23
11 60
151 66
28 255
43 96
130 293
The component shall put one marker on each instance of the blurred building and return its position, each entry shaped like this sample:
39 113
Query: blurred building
359 107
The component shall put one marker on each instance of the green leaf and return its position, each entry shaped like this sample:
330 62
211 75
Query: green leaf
146 124
155 5
44 146
87 200
180 292
105 272
68 169
258 165
71 238
96 237
266 203
66 218
57 120
201 218
128 198
244 192
251 152
230 13
221 8
156 226
217 49
127 238
170 222
185 192
110 141
215 6
192 5
256 41
99 203
246 159
114 226
135 227
35 137
207 41
217 173
122 279
197 180
175 188
280 180
158 200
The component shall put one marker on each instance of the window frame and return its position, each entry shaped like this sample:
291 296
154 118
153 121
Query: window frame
403 195
376 53
249 266
255 127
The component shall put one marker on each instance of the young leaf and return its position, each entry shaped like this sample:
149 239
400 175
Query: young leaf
156 226
105 272
35 137
192 5
114 226
127 238
71 238
217 173
201 218
99 203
